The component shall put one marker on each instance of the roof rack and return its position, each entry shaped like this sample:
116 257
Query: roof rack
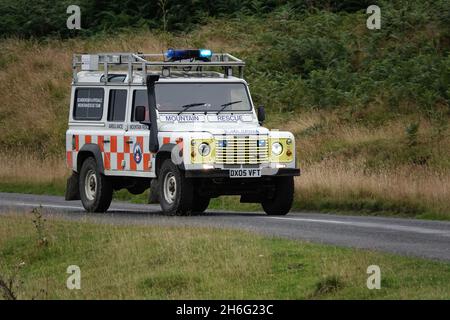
151 63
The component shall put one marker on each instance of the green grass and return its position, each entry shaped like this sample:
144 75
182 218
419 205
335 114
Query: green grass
156 262
56 188
366 206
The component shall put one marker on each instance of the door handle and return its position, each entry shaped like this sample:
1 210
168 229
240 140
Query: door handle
106 141
129 141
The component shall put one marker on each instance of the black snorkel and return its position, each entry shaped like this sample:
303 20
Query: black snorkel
153 143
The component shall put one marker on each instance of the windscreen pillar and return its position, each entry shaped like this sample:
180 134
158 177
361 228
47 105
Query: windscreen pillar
154 145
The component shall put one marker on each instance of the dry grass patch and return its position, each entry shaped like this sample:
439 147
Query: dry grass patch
32 174
31 169
408 190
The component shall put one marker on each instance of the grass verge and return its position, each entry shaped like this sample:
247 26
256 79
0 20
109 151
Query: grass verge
159 262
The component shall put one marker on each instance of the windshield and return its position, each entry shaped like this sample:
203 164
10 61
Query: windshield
195 97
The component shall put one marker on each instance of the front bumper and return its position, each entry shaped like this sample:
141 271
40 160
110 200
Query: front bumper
224 173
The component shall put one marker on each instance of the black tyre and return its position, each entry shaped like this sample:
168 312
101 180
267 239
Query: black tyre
200 204
281 202
153 196
95 188
176 193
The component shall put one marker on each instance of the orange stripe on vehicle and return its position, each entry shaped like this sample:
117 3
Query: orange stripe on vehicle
77 143
140 140
113 144
126 146
107 161
119 161
166 140
69 159
147 165
87 139
100 143
133 166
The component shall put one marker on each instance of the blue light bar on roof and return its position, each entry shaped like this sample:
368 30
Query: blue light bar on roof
194 54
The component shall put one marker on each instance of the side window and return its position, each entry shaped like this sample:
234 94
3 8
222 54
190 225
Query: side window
88 104
117 105
140 99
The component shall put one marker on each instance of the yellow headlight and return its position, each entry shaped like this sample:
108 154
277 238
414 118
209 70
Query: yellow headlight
205 152
282 150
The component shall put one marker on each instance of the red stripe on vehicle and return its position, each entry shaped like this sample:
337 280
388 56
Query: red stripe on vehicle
107 161
77 143
140 140
119 161
166 140
87 139
113 144
133 166
69 159
147 158
126 146
101 143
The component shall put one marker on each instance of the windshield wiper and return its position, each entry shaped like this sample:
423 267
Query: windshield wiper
225 105
191 105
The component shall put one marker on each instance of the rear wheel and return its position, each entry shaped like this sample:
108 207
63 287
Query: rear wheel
281 201
154 192
95 188
176 193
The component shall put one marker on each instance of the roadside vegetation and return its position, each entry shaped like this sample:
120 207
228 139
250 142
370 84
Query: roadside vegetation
370 109
156 262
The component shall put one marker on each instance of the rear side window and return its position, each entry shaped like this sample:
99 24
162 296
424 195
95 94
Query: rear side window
88 104
140 99
117 105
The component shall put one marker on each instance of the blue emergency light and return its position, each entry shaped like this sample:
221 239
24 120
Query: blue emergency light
205 53
189 54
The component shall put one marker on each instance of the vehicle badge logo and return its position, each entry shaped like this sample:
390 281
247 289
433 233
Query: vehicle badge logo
137 153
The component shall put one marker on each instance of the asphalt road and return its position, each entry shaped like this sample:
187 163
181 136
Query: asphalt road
420 238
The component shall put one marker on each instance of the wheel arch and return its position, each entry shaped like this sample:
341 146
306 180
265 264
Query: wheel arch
90 150
164 153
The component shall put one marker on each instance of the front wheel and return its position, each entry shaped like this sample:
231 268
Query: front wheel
95 188
176 192
281 201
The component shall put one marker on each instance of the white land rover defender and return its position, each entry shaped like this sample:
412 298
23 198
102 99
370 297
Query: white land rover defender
178 123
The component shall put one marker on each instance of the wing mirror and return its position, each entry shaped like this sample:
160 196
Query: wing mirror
261 114
139 113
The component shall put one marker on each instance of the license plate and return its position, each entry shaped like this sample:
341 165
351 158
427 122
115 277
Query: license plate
245 173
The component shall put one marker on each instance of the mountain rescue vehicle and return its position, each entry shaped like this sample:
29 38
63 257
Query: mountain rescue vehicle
180 123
